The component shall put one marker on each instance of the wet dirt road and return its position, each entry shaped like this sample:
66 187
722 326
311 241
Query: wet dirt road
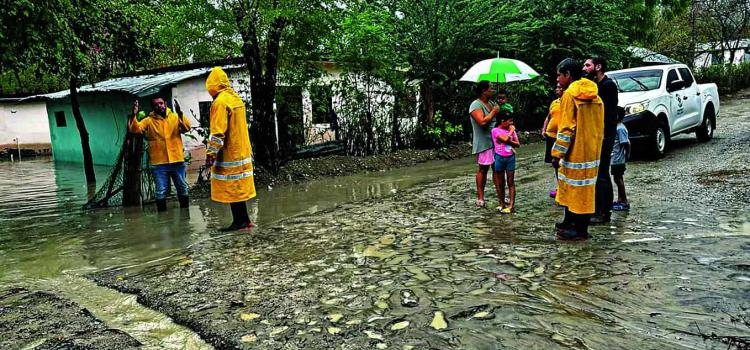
424 269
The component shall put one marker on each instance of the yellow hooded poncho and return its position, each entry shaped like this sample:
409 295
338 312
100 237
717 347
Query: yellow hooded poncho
163 135
554 117
579 144
232 174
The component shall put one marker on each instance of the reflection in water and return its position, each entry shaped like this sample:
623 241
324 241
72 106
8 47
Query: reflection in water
47 242
378 272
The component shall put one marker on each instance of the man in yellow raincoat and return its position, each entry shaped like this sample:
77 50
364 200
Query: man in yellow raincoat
162 129
577 150
228 150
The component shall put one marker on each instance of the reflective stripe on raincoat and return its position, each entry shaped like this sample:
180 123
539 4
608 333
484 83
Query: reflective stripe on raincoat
579 145
163 135
554 118
232 174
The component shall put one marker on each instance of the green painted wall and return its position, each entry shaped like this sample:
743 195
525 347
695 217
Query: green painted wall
105 116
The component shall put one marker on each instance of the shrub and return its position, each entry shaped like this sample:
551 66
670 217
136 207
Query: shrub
728 77
443 132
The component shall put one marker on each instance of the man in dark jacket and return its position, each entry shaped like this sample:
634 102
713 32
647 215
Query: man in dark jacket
594 68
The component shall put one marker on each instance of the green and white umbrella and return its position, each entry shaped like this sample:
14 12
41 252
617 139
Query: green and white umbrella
499 70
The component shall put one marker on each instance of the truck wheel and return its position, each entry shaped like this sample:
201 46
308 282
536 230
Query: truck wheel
705 131
659 141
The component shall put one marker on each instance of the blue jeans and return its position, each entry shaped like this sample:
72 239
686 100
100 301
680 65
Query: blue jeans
162 174
503 163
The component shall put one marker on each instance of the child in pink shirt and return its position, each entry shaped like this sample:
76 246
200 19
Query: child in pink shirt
505 141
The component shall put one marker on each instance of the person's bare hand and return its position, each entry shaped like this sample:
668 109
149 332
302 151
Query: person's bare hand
495 109
136 108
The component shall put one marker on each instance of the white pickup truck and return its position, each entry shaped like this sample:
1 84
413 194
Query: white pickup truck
662 101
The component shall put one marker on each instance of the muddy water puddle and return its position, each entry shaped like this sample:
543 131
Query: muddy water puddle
48 243
396 260
423 268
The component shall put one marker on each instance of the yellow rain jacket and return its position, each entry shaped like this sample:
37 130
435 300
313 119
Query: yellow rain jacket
579 145
554 118
232 174
163 135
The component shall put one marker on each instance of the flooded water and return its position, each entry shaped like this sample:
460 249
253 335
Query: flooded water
48 242
403 260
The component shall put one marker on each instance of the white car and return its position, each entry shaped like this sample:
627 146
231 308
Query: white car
662 101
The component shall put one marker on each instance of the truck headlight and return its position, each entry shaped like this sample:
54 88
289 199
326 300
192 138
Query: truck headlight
637 107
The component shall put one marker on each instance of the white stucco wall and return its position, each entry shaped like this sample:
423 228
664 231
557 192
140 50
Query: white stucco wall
191 92
26 121
740 56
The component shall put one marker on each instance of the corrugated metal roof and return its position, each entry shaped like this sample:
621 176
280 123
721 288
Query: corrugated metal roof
139 85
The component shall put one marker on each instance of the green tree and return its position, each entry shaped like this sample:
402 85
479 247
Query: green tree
194 31
81 40
372 77
441 39
274 34
724 22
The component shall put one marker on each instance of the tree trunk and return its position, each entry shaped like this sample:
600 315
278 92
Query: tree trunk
429 104
131 175
88 161
395 130
262 84
263 129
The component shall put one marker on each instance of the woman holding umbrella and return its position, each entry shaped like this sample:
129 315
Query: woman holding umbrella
482 113
496 70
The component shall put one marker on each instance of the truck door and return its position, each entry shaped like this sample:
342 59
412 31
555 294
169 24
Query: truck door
677 105
691 98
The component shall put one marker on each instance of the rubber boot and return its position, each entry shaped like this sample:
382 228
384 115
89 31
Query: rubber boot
240 219
184 201
567 222
161 205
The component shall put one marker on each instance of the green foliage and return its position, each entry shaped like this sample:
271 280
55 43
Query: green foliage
728 77
530 100
442 133
370 78
441 39
194 31
28 81
86 39
543 33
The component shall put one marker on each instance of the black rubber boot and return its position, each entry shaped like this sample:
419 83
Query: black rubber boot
582 224
240 219
161 205
567 222
184 201
571 235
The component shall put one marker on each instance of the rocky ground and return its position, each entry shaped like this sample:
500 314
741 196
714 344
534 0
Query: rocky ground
42 320
425 269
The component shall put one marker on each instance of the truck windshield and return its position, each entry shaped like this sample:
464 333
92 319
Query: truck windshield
642 80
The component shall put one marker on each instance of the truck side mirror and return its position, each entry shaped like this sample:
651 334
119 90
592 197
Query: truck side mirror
675 85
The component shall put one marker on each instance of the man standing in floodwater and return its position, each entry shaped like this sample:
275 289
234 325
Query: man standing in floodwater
162 129
594 69
228 151
577 149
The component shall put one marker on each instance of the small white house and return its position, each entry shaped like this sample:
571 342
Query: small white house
24 125
711 53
